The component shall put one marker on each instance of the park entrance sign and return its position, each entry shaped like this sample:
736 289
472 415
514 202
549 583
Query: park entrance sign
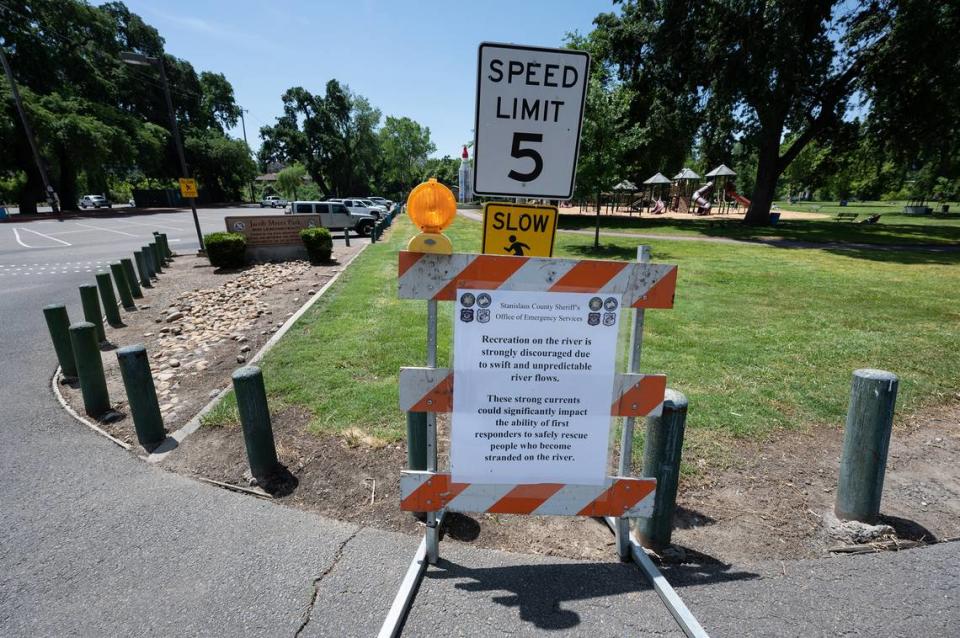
529 112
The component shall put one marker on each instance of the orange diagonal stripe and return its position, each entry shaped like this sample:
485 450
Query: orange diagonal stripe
619 497
485 271
407 260
432 495
438 399
660 294
645 395
588 276
523 499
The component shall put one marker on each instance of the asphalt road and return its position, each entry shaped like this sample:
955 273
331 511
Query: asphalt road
94 542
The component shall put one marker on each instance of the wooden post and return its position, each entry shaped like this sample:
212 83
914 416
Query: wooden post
91 310
120 278
866 439
131 278
109 299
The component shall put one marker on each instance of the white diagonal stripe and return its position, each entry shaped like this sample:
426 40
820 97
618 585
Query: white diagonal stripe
479 497
538 274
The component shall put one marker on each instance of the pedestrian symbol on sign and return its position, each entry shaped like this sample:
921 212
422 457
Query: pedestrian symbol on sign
516 247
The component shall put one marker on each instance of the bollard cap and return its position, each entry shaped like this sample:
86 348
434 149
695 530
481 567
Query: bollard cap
674 399
132 351
88 286
246 372
873 373
53 306
81 325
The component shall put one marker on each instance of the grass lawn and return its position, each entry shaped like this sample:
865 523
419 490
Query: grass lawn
893 228
760 337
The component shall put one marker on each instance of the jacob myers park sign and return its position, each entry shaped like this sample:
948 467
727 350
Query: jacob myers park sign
273 236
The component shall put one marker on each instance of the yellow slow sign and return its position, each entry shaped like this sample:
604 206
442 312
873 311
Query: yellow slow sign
519 229
188 187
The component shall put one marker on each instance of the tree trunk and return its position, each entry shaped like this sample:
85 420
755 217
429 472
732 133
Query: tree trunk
768 172
68 182
596 233
31 193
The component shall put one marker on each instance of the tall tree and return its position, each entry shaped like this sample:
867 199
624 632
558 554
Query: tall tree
789 69
332 135
405 146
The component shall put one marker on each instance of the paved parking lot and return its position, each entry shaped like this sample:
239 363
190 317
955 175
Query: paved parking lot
87 244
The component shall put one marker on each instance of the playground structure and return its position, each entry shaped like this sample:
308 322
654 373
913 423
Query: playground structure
683 194
682 190
657 182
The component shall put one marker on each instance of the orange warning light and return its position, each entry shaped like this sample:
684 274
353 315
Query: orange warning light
432 207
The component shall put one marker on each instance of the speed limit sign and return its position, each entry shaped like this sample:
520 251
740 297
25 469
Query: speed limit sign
529 112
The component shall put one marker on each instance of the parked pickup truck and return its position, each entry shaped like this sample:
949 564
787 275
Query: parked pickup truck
336 216
361 206
273 202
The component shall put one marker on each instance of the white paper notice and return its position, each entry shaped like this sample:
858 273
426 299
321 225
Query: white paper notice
533 386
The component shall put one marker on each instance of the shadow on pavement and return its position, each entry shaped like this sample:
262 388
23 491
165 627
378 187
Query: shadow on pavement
540 591
696 568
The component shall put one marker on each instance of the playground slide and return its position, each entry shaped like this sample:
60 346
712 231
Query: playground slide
703 204
658 207
737 196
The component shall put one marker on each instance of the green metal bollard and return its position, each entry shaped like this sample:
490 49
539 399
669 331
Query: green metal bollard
109 300
866 439
91 310
417 441
58 323
93 385
255 420
141 395
148 258
123 288
131 278
142 268
166 245
346 236
373 233
157 258
662 448
161 247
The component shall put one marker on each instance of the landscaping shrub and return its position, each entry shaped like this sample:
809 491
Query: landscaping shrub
226 250
319 243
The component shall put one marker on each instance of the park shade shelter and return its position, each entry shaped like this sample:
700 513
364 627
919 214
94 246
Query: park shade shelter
684 182
722 175
623 191
657 182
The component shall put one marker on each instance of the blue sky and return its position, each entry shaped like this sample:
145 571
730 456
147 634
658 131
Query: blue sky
415 59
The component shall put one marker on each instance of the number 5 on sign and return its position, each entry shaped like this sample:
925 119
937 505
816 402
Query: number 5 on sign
529 114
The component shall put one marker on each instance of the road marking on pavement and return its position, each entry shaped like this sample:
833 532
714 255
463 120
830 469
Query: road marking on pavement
19 241
124 221
108 230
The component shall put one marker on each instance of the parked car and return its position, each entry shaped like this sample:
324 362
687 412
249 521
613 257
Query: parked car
273 202
95 201
357 206
336 216
386 203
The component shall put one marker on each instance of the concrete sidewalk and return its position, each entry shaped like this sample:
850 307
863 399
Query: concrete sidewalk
97 543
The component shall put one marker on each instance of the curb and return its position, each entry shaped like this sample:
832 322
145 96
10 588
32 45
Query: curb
55 386
174 439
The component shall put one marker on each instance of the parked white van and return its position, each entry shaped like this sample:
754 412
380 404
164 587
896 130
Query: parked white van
335 216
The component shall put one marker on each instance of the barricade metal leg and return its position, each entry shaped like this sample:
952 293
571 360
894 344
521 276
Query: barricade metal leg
622 529
433 530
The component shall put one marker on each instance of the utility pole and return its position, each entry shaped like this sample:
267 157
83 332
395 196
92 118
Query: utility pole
47 187
243 123
137 59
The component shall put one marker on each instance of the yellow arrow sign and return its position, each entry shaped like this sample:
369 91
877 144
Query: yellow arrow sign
519 229
188 187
